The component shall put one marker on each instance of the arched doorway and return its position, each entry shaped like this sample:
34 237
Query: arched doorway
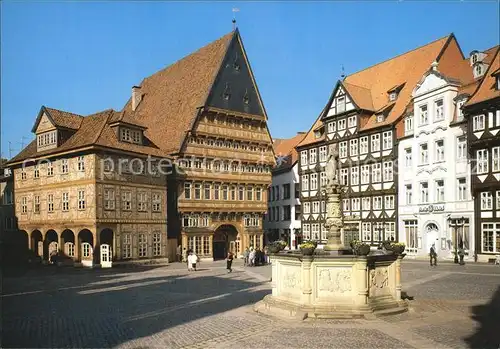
106 248
37 242
225 239
86 250
68 241
431 236
51 244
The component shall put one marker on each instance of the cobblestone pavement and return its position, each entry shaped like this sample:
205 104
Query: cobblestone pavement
167 307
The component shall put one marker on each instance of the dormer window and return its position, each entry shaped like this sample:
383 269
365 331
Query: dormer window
393 96
479 70
460 112
474 58
129 135
47 139
497 85
227 92
380 117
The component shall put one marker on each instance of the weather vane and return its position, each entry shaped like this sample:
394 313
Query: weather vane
234 16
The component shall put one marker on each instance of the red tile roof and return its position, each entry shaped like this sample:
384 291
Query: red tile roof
285 149
486 89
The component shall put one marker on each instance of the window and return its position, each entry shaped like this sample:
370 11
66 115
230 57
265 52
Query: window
24 204
363 145
408 157
462 189
461 148
136 136
393 96
411 232
439 110
303 157
479 70
440 191
315 232
387 140
424 117
366 204
143 245
390 231
64 166
277 191
206 191
258 194
187 190
322 179
424 154
156 244
306 230
65 201
287 212
351 121
331 127
305 182
307 207
389 202
380 117
375 142
36 172
482 161
315 207
490 234
424 192
377 202
498 200
286 191
312 156
408 125
81 163
142 202
341 125
322 153
50 202
439 151
478 122
36 204
354 147
50 169
344 176
343 149
495 159
355 204
125 134
388 171
314 181
376 173
340 105
249 193
408 194
460 112
197 191
365 174
378 231
354 175
486 200
366 229
126 200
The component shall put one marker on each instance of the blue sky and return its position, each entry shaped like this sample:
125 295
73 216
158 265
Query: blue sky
85 56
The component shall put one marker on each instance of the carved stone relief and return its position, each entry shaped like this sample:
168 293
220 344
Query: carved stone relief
291 278
379 278
335 281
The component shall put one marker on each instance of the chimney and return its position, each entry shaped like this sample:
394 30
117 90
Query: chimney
136 97
434 65
301 133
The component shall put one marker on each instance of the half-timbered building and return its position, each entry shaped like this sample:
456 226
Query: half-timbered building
482 112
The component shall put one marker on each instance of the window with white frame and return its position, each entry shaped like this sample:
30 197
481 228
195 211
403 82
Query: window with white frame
307 207
314 181
424 117
323 206
50 169
377 202
478 122
389 202
376 173
354 175
375 142
241 193
482 161
388 171
50 203
411 232
344 176
490 236
207 188
408 157
424 192
315 207
460 112
340 104
366 229
65 201
495 159
409 194
303 157
305 183
36 172
197 191
143 245
81 199
378 231
387 140
351 121
126 200
312 156
187 190
36 204
365 174
142 202
24 204
341 125
343 149
355 204
64 166
439 150
322 153
81 163
366 204
439 110
315 231
323 179
126 245
23 174
462 189
258 194
109 199
424 154
440 190
408 125
331 127
486 200
363 145
498 200
461 148
390 231
306 230
156 244
353 143
346 204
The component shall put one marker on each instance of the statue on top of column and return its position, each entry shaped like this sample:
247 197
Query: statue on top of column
331 164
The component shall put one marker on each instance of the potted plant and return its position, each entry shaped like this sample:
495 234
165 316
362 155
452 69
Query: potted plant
276 246
354 244
307 248
362 249
387 245
398 247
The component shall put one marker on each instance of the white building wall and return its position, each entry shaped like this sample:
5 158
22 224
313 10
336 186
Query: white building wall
434 213
290 177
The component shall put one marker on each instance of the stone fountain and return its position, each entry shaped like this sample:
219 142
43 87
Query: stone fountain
334 283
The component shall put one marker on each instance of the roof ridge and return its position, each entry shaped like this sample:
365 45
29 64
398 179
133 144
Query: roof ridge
63 111
402 54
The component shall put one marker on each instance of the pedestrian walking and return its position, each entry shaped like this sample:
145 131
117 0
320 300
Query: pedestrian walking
433 255
229 262
461 254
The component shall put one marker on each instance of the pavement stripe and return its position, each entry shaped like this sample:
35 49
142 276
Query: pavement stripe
252 274
426 279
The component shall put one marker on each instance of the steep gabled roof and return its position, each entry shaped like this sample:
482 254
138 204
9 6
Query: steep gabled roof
486 89
362 96
285 150
59 118
310 138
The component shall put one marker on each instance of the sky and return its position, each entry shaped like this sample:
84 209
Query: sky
85 57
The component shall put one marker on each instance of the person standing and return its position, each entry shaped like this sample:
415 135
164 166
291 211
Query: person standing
192 261
251 258
433 255
179 253
184 255
245 257
229 262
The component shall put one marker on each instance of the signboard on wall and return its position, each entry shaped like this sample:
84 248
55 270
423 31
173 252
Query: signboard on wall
431 208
